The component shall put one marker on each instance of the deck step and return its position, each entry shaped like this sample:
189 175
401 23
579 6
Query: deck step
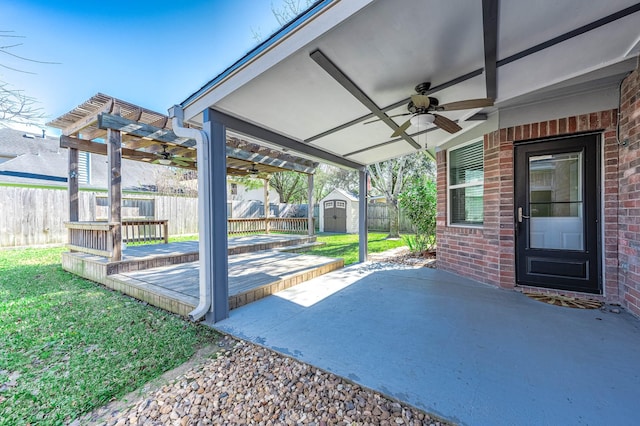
302 247
252 276
248 244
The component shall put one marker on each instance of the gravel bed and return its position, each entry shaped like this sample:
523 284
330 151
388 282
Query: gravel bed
248 384
403 256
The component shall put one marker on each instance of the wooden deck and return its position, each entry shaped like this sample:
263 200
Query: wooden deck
167 275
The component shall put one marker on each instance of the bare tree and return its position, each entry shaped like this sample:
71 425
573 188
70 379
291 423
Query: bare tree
173 180
15 105
289 9
285 12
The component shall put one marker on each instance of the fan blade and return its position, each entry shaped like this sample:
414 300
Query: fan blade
401 129
420 101
445 124
391 116
179 163
468 104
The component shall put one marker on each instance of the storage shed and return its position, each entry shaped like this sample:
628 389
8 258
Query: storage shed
339 212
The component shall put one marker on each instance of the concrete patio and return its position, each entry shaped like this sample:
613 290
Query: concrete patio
470 353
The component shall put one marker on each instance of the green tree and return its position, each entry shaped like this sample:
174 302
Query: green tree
247 181
419 202
328 177
290 186
389 178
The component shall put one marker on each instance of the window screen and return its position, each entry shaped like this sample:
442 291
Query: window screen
466 185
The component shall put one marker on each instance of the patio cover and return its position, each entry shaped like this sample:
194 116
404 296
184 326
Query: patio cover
314 85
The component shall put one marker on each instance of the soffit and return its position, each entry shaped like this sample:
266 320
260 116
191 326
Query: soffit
387 47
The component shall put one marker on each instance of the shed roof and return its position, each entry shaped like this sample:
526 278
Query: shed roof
349 196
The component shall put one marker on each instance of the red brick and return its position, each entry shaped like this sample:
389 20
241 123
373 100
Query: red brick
543 129
488 254
534 130
562 127
605 119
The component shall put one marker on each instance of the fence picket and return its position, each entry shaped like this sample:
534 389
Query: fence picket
36 216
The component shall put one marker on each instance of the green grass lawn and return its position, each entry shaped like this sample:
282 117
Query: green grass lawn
346 245
68 345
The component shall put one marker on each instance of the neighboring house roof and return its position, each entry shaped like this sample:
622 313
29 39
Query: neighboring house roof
34 160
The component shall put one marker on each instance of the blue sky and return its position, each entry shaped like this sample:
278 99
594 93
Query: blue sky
151 53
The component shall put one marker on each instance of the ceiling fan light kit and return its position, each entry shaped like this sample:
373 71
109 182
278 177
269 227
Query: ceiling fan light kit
421 121
164 161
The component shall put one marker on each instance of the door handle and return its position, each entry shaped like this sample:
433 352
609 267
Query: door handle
521 216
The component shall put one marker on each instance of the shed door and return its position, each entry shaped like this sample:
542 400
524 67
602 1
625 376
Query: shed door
557 211
335 216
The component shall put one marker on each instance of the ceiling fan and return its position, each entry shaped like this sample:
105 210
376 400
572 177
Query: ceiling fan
253 171
423 108
167 158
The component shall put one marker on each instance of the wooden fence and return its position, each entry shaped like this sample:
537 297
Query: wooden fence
36 216
378 219
294 225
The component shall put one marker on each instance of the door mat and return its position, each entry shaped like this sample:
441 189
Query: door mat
568 302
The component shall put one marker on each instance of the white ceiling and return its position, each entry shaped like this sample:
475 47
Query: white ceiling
387 47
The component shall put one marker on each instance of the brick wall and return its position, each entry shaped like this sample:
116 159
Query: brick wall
487 254
629 204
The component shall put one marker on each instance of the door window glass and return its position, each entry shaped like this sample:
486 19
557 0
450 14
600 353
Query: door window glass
555 201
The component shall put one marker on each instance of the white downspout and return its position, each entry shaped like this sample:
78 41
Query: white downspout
177 116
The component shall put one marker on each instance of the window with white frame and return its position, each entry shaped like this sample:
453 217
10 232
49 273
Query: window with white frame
466 185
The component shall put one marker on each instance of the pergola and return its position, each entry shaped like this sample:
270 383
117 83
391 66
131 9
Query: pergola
118 129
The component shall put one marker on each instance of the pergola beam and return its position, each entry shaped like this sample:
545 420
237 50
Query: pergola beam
261 159
268 152
88 120
147 157
101 148
142 130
